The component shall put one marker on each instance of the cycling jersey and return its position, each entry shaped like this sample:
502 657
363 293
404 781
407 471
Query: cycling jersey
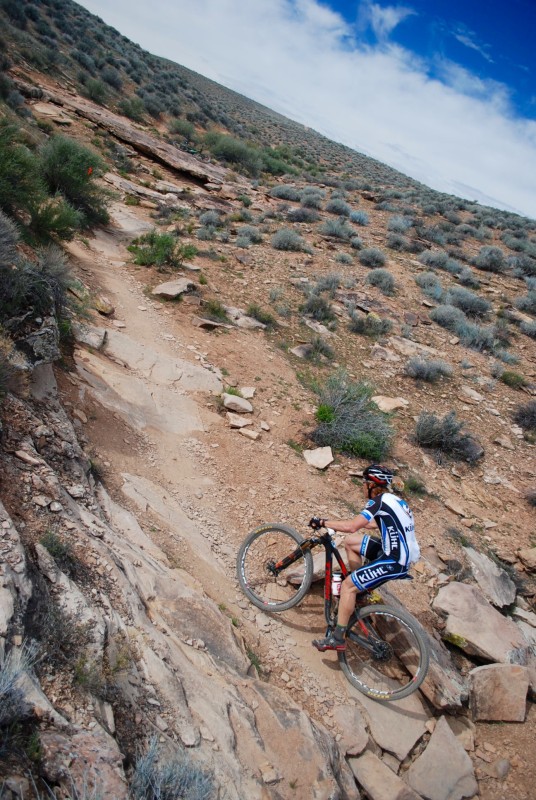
395 522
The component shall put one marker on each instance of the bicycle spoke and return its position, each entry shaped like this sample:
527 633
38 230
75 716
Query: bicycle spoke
385 656
257 561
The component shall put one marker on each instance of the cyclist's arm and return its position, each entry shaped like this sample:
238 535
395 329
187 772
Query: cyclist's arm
348 525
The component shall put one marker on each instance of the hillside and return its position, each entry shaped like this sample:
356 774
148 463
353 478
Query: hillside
304 274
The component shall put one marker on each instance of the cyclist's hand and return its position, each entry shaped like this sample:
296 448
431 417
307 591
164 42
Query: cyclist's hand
315 523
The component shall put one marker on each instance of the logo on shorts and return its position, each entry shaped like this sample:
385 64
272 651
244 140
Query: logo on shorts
372 573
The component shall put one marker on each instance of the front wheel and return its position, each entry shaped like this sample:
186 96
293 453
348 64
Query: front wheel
260 580
386 654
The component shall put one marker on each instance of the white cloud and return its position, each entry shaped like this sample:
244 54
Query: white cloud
302 59
469 39
384 19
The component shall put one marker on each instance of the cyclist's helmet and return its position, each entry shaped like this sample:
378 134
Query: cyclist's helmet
379 475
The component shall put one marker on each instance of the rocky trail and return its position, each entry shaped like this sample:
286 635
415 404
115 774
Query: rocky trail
196 487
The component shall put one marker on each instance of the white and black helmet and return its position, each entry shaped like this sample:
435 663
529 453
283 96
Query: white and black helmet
379 475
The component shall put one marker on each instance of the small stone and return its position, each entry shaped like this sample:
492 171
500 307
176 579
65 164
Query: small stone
56 507
320 458
249 434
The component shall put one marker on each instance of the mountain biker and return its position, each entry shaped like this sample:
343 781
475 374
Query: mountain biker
388 558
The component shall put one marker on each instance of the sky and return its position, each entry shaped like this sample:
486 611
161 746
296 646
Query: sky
442 90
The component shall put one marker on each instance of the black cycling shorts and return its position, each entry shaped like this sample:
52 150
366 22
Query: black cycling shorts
381 568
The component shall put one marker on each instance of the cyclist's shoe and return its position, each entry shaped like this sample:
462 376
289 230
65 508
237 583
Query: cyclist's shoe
330 642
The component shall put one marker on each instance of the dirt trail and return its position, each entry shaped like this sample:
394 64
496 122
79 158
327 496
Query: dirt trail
196 486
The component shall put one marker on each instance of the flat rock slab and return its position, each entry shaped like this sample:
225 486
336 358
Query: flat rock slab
378 780
233 402
476 627
388 404
499 692
237 421
444 771
320 458
495 583
173 289
407 347
528 557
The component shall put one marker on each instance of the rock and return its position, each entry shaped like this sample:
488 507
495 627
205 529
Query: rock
407 347
444 771
248 392
388 404
28 458
499 692
207 324
173 289
104 306
505 442
395 727
319 458
97 767
383 353
76 490
528 557
249 434
526 616
42 345
236 421
453 505
495 583
89 335
354 733
302 350
472 394
317 327
235 403
464 730
378 781
265 426
476 627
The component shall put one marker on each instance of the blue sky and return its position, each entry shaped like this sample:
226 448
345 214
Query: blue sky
442 91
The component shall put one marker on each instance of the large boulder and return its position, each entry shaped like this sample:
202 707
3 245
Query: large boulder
444 771
495 583
477 628
499 692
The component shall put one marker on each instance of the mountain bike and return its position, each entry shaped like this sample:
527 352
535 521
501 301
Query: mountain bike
386 654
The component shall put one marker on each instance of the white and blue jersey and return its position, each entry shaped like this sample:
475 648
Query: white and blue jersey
390 558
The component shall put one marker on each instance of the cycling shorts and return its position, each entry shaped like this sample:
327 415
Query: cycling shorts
380 568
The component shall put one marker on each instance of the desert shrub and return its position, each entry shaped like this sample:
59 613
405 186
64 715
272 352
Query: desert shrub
446 435
400 243
438 259
9 237
112 77
372 257
318 308
467 277
470 303
62 552
350 422
339 228
213 309
522 265
254 310
477 337
528 302
285 192
319 347
70 168
398 224
359 217
369 325
287 239
96 91
344 258
312 198
211 218
513 379
303 215
133 108
490 259
339 207
206 233
243 242
233 151
54 218
20 184
183 128
13 706
448 317
175 776
328 283
529 329
531 498
525 416
383 280
415 485
429 370
160 249
430 285
250 232
37 286
356 243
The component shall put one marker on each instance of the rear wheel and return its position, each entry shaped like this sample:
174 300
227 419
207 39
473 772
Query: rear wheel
262 549
386 654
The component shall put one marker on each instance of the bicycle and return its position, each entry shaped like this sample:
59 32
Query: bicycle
386 654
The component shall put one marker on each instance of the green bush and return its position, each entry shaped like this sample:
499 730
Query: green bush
470 303
96 91
133 108
254 310
318 308
20 184
513 379
429 370
372 257
160 249
287 239
369 325
349 421
383 280
446 435
71 168
490 259
233 151
339 228
40 287
9 237
184 128
319 347
54 218
339 207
